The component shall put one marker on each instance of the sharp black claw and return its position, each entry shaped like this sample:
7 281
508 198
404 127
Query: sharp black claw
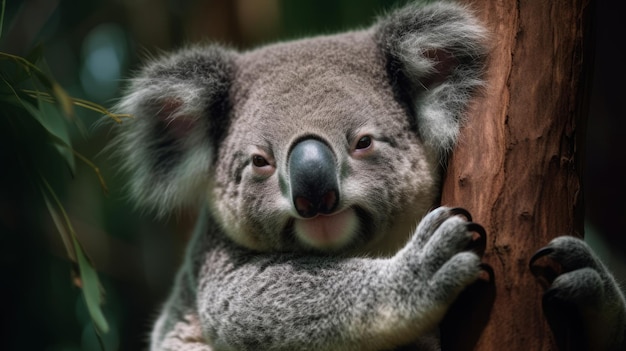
544 251
545 271
488 271
461 211
475 227
481 242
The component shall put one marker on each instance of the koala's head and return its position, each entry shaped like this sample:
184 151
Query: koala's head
333 143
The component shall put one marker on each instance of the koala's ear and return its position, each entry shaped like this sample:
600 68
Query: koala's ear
179 106
436 60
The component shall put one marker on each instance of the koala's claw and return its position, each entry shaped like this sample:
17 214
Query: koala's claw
544 251
487 273
479 242
461 211
548 270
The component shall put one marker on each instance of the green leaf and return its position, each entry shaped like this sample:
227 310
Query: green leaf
63 99
91 289
51 119
29 68
90 283
58 223
53 122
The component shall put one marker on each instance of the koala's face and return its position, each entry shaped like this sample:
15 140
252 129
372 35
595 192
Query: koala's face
331 144
320 154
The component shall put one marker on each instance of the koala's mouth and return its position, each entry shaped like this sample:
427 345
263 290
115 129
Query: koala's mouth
328 232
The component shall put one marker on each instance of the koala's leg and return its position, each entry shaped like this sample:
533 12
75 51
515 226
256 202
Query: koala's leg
583 304
252 301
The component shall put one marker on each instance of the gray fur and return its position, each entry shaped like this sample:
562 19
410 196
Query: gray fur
318 302
585 298
433 43
186 90
256 275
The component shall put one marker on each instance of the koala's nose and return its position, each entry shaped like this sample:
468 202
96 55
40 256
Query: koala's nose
313 178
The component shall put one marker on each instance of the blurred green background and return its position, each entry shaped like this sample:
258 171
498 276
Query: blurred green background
90 48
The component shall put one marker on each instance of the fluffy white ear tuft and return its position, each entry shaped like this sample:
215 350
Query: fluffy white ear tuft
436 58
179 106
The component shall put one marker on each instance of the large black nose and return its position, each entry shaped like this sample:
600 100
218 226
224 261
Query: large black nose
313 178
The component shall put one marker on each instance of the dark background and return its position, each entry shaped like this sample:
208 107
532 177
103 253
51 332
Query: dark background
91 47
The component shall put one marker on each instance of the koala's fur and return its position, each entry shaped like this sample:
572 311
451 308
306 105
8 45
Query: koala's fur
383 106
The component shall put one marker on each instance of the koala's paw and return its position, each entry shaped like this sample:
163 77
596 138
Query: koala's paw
443 257
582 302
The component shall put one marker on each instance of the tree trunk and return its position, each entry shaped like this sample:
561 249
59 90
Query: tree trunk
517 167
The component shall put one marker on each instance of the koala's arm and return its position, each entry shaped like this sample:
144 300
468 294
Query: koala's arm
249 301
583 303
229 298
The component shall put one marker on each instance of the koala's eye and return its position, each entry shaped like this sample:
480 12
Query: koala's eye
364 142
259 161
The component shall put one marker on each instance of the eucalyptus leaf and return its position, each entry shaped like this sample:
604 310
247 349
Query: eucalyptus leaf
66 236
91 289
54 122
90 283
63 99
50 118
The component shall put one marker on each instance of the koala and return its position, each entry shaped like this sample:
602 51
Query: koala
315 167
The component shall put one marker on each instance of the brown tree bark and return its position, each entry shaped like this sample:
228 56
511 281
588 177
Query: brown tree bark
517 167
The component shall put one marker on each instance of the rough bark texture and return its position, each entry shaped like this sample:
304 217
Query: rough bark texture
517 168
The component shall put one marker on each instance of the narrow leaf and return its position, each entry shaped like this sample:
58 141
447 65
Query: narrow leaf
91 289
58 223
64 100
89 278
55 124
